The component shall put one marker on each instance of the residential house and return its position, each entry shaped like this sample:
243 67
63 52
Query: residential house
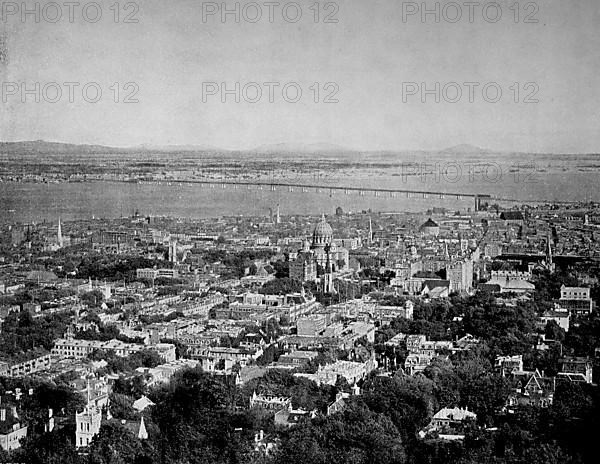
576 369
11 429
449 424
509 364
530 389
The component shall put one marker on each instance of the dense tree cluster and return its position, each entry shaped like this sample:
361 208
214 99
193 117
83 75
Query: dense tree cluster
120 364
356 435
22 333
234 263
112 267
201 418
36 295
281 286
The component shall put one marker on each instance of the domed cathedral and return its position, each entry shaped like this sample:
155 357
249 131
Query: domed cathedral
322 235
322 251
323 244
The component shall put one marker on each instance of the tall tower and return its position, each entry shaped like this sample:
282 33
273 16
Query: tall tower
278 217
88 425
328 275
87 422
549 251
173 251
59 237
370 231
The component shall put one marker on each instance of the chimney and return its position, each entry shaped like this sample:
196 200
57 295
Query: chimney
2 415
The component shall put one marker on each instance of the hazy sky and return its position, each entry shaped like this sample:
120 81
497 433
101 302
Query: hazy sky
368 54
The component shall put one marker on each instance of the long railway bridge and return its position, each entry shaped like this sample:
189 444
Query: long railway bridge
273 185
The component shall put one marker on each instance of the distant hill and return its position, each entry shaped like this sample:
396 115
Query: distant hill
271 150
466 149
57 148
311 148
177 148
49 148
41 146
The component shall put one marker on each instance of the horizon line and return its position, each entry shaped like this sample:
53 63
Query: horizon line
335 148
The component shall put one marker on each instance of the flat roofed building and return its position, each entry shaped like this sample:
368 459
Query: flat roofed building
297 358
311 325
574 293
73 348
576 369
271 402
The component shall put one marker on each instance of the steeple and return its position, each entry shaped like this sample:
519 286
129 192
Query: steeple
88 392
370 231
549 251
142 434
59 237
328 275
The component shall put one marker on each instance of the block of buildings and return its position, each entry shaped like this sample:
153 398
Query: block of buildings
30 363
78 349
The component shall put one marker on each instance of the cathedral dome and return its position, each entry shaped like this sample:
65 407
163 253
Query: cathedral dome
323 233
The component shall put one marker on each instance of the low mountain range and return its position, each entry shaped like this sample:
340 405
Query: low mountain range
282 149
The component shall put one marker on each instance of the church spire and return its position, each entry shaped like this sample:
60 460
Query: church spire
88 392
59 237
142 434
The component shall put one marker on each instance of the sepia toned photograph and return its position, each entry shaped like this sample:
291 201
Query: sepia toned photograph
299 232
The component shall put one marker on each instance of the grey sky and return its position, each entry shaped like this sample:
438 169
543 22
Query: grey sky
368 54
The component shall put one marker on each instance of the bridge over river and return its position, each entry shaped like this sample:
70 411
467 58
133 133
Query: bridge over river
273 185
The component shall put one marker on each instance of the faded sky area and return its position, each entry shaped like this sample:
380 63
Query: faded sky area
361 61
